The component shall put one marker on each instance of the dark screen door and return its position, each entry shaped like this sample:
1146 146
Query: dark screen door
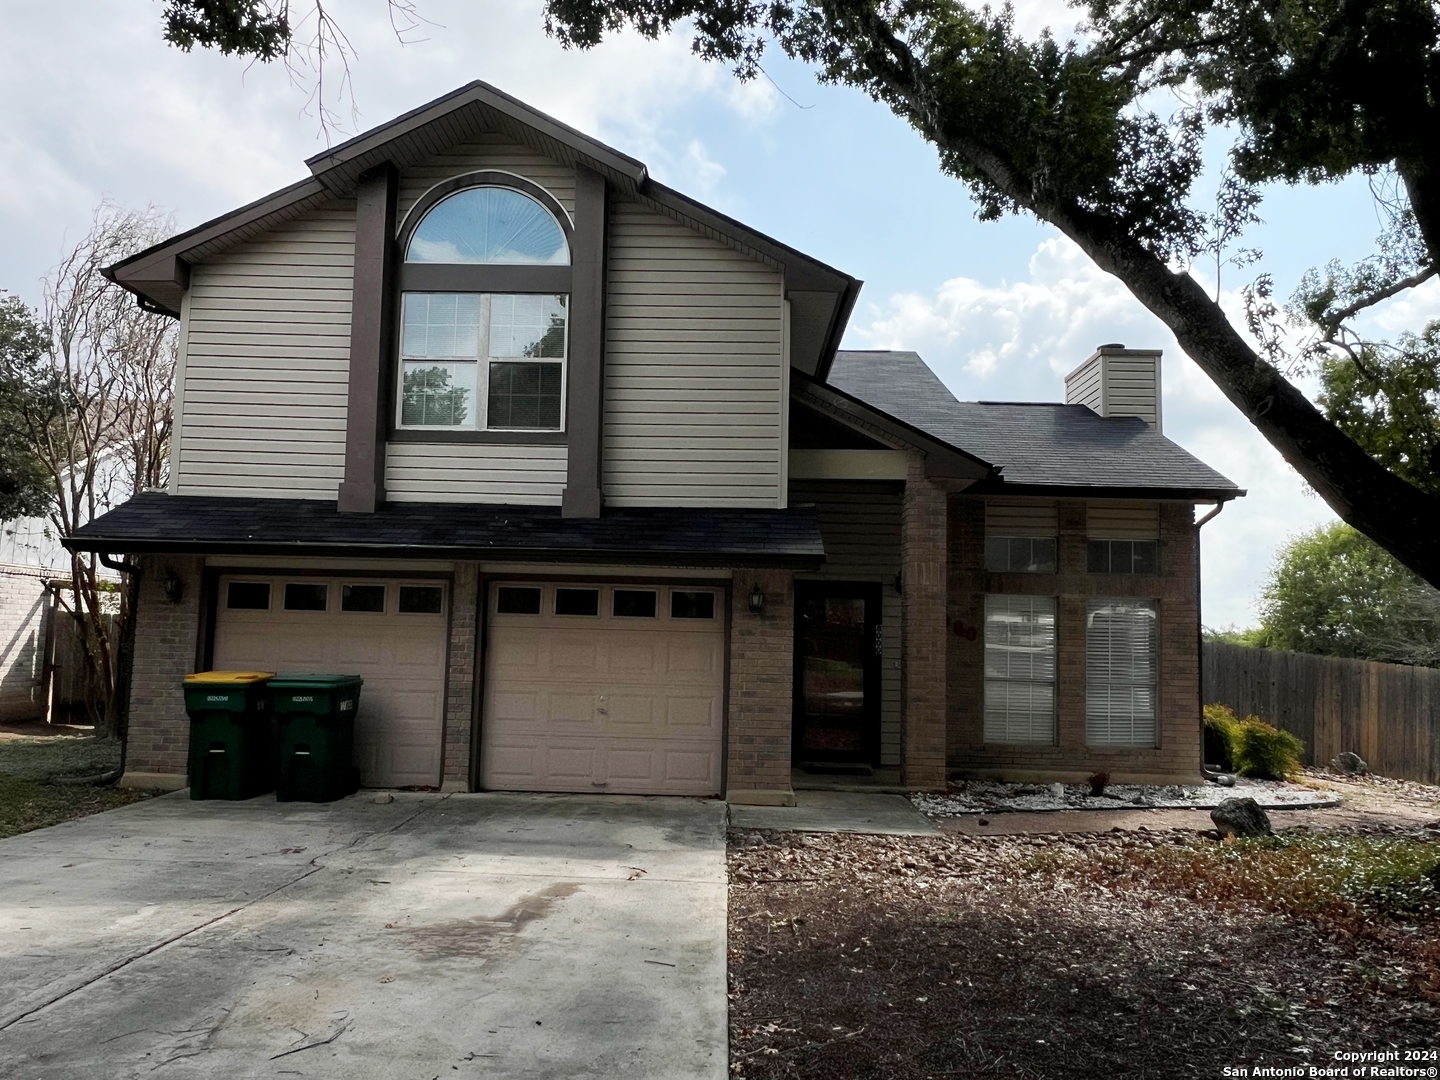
837 672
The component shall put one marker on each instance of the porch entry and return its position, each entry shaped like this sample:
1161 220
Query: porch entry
837 674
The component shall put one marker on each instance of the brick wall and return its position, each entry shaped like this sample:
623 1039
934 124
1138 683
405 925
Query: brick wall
165 639
923 530
460 683
1177 757
24 617
762 651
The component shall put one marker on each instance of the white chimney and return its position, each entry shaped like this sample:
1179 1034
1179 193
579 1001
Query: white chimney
1117 381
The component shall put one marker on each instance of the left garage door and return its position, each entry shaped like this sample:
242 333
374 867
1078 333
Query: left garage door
390 631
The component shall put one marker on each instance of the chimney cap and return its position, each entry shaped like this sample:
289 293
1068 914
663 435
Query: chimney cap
1113 345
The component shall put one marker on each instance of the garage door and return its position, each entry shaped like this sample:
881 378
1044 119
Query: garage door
603 688
392 632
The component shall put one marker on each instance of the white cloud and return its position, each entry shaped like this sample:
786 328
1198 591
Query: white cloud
1017 340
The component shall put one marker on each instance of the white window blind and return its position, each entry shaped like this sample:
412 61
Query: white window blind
1121 672
1020 669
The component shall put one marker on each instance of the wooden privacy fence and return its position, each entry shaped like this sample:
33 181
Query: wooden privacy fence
1389 714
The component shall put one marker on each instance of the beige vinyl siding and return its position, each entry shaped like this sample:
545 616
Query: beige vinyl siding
692 369
474 472
1132 385
266 364
490 151
1083 387
1123 520
1019 517
860 524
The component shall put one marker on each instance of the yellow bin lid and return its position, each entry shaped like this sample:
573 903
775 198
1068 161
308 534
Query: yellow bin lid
228 678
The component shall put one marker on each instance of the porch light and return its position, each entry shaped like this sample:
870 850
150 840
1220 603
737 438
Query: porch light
173 586
757 600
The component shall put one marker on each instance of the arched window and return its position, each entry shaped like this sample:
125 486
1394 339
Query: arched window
493 225
484 311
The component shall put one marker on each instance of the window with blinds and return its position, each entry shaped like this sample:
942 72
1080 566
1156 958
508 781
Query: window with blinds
1020 669
1121 672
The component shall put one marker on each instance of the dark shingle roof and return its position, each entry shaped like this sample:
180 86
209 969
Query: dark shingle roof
691 536
1035 445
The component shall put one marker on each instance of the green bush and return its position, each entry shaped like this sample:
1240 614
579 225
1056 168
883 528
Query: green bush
1255 748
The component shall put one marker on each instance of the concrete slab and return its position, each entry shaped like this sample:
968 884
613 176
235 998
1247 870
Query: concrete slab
466 935
838 812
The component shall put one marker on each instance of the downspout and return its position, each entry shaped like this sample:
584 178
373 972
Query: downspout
125 661
1208 774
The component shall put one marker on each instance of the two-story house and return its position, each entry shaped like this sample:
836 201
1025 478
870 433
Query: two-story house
571 469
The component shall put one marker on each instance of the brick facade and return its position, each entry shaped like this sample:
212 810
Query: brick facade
1177 757
762 658
460 681
166 634
923 529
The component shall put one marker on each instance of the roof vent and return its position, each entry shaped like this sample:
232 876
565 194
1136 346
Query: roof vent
1117 381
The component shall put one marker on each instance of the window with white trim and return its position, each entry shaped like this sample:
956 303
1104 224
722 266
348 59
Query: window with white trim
1020 669
483 341
1122 661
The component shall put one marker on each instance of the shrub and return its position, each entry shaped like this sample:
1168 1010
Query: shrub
1253 747
1222 736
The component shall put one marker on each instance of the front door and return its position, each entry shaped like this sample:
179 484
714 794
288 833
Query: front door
837 673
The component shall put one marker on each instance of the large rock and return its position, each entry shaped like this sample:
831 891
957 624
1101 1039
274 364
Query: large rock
1349 764
1241 817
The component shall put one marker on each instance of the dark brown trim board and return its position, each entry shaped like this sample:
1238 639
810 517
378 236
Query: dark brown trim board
444 277
584 390
371 330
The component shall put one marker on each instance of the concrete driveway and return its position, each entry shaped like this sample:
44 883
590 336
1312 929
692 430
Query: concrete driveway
461 935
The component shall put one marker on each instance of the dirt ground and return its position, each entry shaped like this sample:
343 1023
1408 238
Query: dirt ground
33 754
1079 954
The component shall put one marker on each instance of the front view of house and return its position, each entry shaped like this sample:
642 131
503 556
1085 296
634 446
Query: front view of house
572 470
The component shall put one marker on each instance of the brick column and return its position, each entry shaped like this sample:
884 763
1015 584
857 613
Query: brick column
460 678
923 629
165 639
762 667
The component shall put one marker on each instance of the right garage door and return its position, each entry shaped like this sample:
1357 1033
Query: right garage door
616 688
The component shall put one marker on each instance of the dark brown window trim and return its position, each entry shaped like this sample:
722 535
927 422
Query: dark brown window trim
513 438
483 277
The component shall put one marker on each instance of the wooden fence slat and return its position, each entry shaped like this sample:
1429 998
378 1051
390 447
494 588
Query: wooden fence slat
1389 714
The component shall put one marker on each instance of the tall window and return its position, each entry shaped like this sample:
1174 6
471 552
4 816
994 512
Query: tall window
481 359
1020 669
1121 672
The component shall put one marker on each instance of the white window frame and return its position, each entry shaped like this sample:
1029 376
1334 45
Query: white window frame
1122 682
480 411
1019 674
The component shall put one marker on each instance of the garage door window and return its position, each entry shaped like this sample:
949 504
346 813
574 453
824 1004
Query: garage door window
248 596
306 596
634 603
518 600
362 598
692 605
577 601
421 600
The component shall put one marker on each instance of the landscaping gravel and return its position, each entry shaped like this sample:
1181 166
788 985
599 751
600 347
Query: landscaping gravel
990 797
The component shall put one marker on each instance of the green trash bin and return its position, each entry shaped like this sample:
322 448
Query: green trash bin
232 734
315 736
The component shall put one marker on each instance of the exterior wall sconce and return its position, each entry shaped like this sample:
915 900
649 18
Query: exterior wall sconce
173 586
757 600
899 583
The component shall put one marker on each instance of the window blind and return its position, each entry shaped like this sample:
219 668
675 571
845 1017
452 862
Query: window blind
1020 669
1121 672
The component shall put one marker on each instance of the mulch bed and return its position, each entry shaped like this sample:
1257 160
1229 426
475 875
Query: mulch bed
859 956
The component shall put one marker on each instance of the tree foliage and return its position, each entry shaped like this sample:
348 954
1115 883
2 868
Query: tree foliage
24 486
1334 592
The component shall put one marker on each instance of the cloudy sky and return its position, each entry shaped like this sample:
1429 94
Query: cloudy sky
99 107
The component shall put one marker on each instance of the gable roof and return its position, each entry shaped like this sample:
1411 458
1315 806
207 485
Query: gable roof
1037 447
822 297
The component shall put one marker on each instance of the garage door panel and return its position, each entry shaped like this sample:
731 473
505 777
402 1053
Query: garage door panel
624 704
398 730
